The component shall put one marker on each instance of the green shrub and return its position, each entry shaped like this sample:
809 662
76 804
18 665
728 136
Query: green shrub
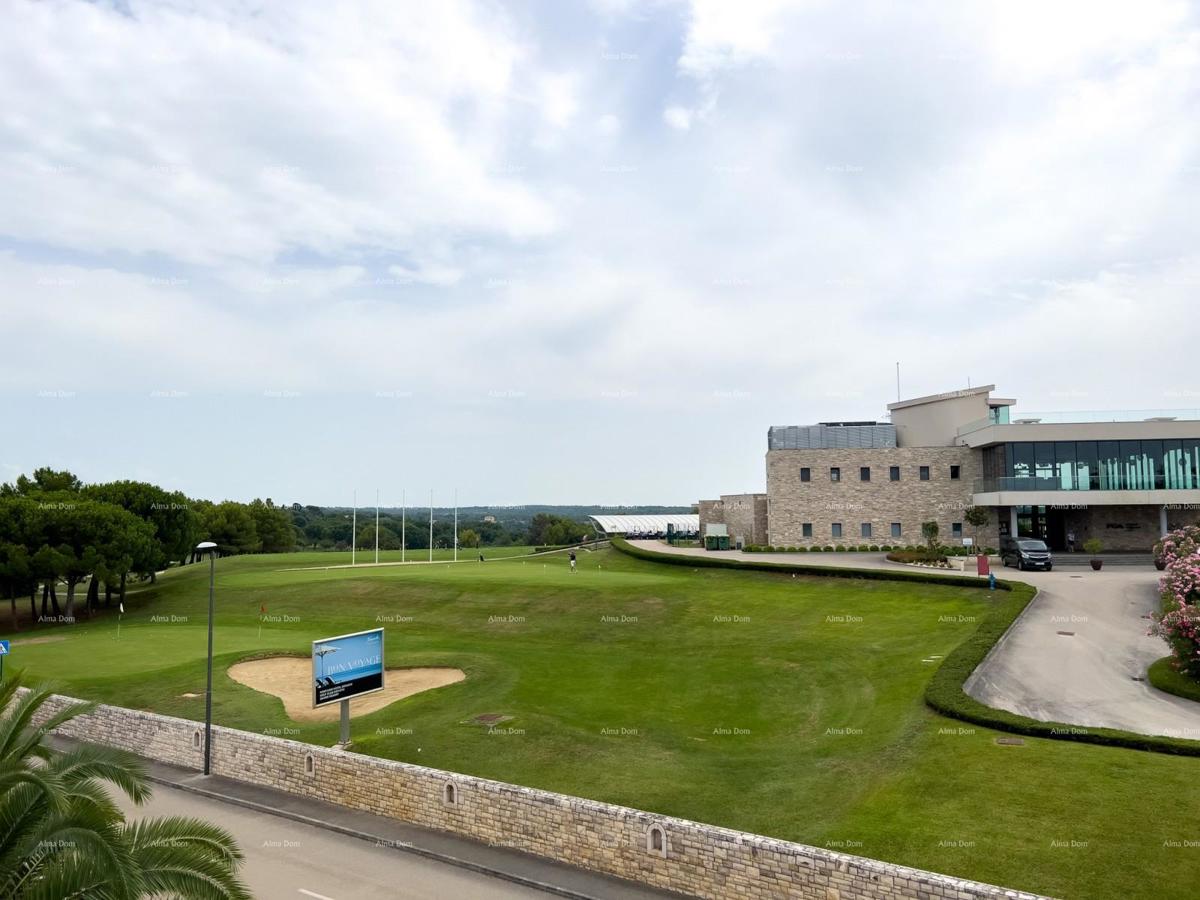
1164 676
828 548
874 548
801 549
916 555
839 549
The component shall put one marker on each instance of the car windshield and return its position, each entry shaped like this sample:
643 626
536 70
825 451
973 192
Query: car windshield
1032 545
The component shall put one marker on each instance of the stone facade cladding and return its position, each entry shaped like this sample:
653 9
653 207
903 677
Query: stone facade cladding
880 501
711 512
746 516
700 860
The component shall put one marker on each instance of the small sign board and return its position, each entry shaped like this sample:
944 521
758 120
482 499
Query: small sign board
968 542
346 666
5 649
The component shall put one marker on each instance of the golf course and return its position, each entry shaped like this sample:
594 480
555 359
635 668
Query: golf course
787 706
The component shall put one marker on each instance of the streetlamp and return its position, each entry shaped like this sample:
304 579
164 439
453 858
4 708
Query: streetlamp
211 549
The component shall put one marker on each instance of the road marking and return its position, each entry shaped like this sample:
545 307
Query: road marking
315 896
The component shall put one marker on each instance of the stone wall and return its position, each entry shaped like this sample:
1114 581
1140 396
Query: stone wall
746 516
701 860
880 501
712 512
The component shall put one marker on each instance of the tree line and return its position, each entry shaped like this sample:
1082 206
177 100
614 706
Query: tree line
57 532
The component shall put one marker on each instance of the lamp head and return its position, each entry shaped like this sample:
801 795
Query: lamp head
205 546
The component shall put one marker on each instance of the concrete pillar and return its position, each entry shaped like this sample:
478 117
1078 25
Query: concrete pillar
1012 521
1162 521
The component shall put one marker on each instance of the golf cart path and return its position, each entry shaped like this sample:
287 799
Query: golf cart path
1086 678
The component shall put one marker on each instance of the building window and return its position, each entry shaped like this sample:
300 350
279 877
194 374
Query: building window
954 472
835 474
894 473
310 765
924 473
866 529
806 474
864 473
837 529
895 529
449 794
806 529
956 529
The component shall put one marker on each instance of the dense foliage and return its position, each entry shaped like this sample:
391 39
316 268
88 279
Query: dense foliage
56 532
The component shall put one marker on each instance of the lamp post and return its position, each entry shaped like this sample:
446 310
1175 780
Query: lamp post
211 549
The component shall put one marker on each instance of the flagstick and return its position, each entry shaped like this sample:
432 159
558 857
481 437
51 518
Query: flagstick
403 522
456 524
431 524
376 526
354 528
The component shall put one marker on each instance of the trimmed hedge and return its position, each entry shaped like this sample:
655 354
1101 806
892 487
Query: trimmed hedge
944 693
1163 676
696 561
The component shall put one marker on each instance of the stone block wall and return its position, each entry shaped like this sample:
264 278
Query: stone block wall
880 501
746 516
695 859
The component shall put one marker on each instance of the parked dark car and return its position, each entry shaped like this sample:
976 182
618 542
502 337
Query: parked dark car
1026 553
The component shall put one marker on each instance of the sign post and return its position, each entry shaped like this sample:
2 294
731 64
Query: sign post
344 667
5 649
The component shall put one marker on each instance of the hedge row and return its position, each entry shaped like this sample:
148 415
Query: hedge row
945 693
863 548
696 561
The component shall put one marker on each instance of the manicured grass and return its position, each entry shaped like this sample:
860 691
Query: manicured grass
780 705
1163 676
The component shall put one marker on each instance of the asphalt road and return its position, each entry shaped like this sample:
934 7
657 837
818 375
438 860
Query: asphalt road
288 860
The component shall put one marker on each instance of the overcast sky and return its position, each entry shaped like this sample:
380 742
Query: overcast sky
571 252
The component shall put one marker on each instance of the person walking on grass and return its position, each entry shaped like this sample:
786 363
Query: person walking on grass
573 569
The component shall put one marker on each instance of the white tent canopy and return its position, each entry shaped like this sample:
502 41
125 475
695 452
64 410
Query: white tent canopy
682 523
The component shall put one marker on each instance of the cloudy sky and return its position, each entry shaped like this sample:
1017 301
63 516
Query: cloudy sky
575 252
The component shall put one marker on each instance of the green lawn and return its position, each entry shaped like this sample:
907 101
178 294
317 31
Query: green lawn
785 706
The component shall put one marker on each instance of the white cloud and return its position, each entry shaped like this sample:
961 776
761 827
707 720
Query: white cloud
443 198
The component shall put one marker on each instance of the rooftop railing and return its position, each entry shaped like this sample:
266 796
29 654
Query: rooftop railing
1083 416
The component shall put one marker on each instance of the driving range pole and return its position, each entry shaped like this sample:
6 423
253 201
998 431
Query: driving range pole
431 524
456 524
403 521
376 526
354 528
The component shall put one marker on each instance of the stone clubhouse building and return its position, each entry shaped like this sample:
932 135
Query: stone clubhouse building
1124 478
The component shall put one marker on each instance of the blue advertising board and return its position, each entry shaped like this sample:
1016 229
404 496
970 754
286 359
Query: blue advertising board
346 666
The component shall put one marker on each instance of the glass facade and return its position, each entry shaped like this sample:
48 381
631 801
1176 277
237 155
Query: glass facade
1092 466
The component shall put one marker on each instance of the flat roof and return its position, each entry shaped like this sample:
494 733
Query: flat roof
949 395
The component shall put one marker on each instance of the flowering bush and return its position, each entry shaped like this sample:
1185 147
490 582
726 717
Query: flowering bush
1177 544
1179 622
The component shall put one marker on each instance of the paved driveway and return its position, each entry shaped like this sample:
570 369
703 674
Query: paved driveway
1077 652
1086 677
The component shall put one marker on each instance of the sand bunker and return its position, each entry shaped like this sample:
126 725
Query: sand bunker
290 679
29 642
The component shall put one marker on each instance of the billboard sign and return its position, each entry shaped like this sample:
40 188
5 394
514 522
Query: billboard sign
347 666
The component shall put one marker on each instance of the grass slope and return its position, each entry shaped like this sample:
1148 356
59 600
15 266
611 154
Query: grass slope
786 706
